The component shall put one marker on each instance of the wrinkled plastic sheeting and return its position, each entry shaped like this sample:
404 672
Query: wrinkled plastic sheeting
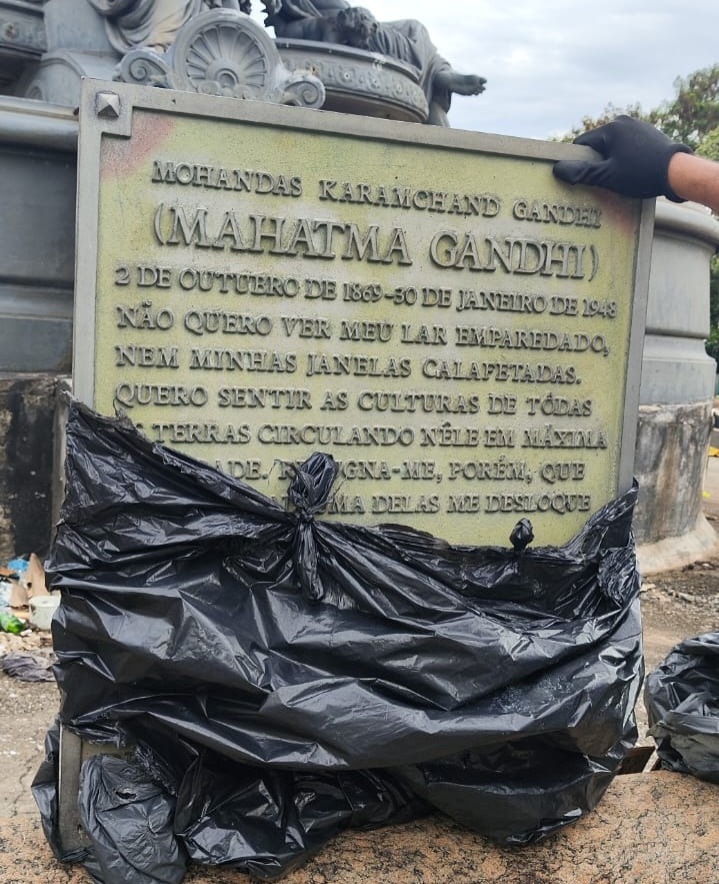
28 667
129 820
285 678
682 700
267 821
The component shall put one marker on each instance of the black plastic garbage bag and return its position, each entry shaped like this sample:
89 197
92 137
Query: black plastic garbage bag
268 821
682 700
291 672
129 820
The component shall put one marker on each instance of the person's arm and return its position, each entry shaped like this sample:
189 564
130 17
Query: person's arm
635 161
694 178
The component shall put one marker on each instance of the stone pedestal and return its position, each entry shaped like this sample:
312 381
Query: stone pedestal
217 51
37 261
27 415
37 163
676 392
37 236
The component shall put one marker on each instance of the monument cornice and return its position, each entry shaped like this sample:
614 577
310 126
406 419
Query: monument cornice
38 124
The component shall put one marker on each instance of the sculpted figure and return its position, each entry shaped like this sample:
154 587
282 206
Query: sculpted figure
153 24
334 21
409 41
296 19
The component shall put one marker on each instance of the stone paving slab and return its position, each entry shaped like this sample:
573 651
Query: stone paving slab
650 828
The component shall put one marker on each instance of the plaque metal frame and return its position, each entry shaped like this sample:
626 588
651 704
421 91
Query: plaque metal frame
107 110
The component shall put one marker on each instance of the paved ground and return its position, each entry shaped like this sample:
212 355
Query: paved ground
682 603
26 711
657 828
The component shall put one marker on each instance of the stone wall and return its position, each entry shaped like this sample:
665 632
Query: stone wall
677 391
37 261
670 461
27 415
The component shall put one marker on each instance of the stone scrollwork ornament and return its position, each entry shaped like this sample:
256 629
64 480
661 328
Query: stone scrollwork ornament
221 52
144 66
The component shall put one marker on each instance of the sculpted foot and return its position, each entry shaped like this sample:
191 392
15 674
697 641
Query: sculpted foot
466 84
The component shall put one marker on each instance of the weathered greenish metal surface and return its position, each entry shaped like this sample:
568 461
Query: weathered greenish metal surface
461 331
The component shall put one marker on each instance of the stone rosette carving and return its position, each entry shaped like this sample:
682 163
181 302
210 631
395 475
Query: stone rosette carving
223 52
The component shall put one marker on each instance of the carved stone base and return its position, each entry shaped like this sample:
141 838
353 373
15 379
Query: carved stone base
217 52
359 82
223 52
669 463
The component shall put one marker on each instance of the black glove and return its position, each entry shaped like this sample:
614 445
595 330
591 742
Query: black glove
636 160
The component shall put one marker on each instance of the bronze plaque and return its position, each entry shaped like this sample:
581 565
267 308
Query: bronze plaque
458 329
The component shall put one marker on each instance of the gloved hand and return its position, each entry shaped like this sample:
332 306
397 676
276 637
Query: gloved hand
636 159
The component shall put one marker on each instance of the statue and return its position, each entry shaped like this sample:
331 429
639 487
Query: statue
207 46
210 46
407 40
154 24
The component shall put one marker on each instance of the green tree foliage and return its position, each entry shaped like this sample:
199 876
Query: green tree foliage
693 115
608 114
709 145
712 342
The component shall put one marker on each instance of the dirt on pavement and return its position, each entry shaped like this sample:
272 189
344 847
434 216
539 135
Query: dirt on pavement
27 709
678 605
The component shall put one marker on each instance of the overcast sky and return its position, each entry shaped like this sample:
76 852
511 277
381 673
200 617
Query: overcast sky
548 63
